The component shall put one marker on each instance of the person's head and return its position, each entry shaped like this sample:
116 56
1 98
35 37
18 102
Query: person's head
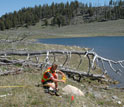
54 67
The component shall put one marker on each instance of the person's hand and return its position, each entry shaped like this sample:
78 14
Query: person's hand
63 81
64 78
63 75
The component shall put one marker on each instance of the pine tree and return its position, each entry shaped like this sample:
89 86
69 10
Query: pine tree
2 26
53 9
8 24
46 22
76 6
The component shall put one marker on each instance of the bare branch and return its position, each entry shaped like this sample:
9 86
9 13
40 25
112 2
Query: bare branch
80 61
68 54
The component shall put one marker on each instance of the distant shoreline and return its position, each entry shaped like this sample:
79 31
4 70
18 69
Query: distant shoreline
80 37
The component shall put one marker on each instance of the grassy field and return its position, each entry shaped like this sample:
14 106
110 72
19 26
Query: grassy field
33 96
108 28
29 95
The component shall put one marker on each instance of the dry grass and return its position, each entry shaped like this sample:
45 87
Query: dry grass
32 96
108 28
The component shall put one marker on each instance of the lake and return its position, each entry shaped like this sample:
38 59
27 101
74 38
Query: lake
107 47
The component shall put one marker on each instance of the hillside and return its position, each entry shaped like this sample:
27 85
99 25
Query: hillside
62 14
109 28
19 29
97 93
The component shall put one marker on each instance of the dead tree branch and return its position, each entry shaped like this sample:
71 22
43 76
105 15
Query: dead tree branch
12 72
91 56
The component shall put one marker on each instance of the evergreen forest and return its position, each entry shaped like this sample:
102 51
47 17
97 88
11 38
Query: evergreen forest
62 14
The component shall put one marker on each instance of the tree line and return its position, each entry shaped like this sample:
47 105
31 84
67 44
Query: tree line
62 14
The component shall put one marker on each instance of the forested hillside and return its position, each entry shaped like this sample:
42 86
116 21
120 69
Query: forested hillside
62 14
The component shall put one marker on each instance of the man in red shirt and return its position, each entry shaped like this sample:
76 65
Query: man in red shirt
50 77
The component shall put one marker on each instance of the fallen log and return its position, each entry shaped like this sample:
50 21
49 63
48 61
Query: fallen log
31 53
87 54
81 74
4 61
11 72
65 70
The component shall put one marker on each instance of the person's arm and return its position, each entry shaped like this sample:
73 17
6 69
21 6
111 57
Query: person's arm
52 78
56 80
60 72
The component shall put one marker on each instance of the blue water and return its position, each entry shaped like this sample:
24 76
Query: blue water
107 47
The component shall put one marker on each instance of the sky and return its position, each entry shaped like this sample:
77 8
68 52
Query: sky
7 6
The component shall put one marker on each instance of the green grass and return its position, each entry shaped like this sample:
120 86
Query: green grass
33 96
108 28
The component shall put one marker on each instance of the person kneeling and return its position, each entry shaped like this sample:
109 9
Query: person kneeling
50 78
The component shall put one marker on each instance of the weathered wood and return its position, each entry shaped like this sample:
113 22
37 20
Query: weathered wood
12 72
19 62
9 62
67 71
81 73
61 52
31 53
